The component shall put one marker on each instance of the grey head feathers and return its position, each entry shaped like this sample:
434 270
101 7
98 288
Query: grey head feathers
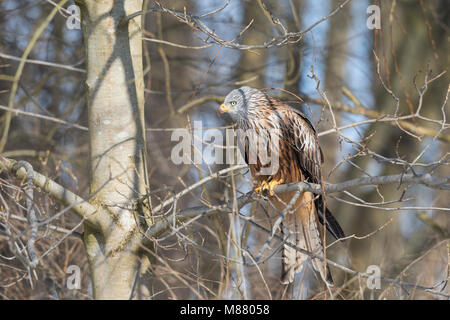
240 102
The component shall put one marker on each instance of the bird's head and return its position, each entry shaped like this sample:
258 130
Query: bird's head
238 103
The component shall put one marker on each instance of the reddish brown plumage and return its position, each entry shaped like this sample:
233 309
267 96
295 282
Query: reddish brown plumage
300 159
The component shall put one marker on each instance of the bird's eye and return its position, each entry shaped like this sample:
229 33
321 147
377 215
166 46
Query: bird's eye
233 103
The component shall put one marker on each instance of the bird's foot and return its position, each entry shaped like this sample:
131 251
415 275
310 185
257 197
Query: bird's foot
266 189
261 187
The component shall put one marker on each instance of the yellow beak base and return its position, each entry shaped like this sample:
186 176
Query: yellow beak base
223 109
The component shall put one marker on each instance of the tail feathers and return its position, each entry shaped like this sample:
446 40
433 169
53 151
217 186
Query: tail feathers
312 236
331 223
301 230
293 260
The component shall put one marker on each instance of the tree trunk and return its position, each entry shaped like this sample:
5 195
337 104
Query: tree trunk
117 142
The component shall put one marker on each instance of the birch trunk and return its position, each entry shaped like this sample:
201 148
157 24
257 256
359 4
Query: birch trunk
117 142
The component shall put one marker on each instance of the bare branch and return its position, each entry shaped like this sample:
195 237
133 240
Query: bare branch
80 206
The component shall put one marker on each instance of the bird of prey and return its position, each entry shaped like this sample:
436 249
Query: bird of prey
300 159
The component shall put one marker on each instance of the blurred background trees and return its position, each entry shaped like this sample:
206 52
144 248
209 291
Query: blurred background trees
365 74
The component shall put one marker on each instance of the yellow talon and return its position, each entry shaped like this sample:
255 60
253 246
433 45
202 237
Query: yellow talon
262 187
268 188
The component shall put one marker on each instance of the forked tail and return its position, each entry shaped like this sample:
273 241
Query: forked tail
301 229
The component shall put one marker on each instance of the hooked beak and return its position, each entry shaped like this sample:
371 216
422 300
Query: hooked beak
223 109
